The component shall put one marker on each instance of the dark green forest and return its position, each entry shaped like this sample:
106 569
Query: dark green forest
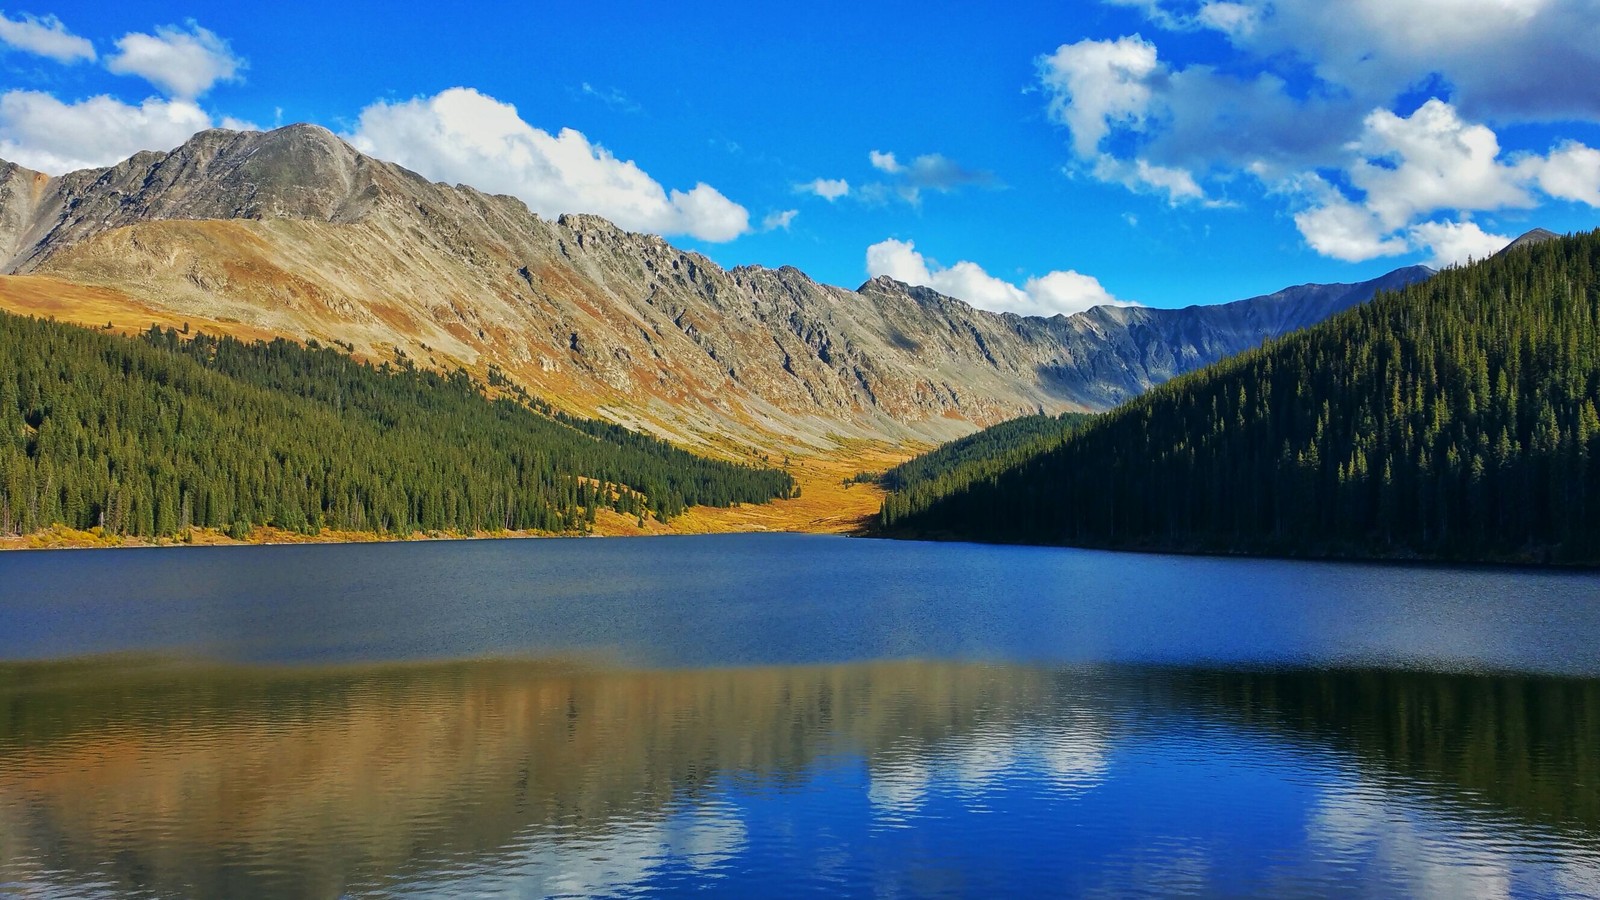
1453 420
917 483
153 435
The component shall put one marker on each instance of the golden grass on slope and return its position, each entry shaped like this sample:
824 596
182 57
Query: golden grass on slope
44 297
825 506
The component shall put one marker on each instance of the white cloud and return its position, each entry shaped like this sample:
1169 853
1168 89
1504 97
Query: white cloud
1141 176
1344 230
927 172
1095 85
779 219
1431 160
44 36
1457 243
1507 60
183 63
461 135
1063 292
1218 15
1300 80
1570 172
1407 169
1235 19
829 189
1126 111
40 132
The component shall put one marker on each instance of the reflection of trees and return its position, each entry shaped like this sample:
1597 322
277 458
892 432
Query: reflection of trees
181 778
1526 746
201 781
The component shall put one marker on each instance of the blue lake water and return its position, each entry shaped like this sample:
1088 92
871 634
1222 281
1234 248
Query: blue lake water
791 715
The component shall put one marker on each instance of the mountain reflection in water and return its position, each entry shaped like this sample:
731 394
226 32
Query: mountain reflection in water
141 776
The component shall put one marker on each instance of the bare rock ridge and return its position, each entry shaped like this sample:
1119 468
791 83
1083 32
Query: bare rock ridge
293 231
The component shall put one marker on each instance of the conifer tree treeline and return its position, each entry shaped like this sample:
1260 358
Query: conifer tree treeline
1456 420
150 436
917 483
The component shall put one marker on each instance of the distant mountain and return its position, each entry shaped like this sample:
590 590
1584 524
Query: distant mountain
293 232
1536 236
1120 352
1456 419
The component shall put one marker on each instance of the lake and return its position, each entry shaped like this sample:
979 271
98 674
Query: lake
778 715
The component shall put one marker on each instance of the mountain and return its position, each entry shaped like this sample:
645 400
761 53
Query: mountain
293 232
1536 236
1456 419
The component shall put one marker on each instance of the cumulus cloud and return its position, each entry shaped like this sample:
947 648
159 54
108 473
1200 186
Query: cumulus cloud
184 63
41 132
1134 119
1300 80
1341 229
1237 20
235 124
461 135
1094 85
1507 60
884 162
1061 292
44 36
1431 160
829 189
1140 176
1406 169
1129 114
779 219
1457 243
1570 172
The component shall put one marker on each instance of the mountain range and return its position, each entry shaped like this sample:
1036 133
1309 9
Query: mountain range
293 232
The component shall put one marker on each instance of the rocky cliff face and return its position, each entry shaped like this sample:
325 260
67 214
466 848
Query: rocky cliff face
293 231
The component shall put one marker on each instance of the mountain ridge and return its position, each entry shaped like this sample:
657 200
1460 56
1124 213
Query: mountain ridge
295 232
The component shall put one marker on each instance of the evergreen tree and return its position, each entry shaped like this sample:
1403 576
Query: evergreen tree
1455 419
152 436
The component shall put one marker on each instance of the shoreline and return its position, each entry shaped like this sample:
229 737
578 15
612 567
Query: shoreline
66 539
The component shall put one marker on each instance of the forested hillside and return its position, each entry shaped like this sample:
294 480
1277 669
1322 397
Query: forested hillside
917 483
153 435
1455 419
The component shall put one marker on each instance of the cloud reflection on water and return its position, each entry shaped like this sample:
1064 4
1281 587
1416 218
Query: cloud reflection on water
531 778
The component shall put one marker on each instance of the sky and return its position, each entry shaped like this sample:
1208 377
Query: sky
1037 159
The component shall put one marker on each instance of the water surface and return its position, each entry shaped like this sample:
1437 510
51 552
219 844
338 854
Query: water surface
751 715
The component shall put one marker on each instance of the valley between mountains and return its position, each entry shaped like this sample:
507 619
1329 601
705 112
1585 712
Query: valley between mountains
293 233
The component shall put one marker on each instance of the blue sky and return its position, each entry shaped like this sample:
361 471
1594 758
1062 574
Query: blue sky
1038 159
